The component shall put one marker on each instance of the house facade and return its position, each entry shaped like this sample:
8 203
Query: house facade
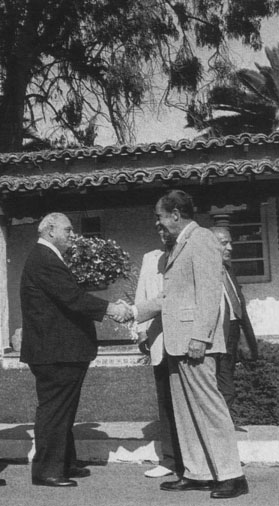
111 192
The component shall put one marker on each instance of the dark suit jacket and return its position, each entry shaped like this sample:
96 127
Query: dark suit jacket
247 346
57 315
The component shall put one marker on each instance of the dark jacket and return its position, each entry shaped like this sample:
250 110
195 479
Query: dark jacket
57 315
247 348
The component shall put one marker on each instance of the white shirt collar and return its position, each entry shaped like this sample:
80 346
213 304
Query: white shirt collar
51 246
178 239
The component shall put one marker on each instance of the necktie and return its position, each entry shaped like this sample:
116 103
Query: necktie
232 295
169 254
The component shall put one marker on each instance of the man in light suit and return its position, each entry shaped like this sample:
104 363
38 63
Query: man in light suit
150 338
193 335
238 345
58 342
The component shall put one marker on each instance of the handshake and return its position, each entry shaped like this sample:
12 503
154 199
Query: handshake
120 311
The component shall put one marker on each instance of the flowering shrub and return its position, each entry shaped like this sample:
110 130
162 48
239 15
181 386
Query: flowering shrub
257 388
96 262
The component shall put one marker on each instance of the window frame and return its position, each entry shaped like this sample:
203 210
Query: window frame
91 234
265 245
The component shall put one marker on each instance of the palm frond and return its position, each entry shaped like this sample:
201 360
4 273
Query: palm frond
255 82
273 58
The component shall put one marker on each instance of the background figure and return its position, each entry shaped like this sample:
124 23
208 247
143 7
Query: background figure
193 335
235 318
58 342
150 333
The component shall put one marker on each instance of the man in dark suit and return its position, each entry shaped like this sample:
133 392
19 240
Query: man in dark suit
58 343
239 345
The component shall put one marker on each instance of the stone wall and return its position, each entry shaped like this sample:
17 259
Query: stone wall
4 305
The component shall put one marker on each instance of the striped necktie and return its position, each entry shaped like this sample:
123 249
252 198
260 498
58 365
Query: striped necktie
232 295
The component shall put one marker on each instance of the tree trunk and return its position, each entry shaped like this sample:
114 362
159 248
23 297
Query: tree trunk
12 107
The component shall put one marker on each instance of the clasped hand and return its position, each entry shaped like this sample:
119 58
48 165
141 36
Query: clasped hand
120 311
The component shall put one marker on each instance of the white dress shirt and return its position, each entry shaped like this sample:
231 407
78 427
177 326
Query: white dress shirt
51 246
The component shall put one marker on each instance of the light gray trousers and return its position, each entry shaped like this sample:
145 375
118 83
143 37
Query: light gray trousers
205 430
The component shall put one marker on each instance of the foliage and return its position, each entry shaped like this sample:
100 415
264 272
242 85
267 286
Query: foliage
185 72
76 61
257 388
96 262
253 97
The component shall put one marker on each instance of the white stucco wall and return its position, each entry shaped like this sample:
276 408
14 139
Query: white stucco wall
263 298
4 307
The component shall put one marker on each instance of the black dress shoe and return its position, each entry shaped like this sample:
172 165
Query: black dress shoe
2 482
186 484
230 488
79 472
54 482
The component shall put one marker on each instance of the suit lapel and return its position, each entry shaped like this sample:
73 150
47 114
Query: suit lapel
234 280
178 247
237 287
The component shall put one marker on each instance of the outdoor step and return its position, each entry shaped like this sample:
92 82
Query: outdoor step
134 442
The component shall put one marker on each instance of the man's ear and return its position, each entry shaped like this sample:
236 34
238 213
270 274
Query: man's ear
176 214
51 231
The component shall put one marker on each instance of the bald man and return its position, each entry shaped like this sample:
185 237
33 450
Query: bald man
58 343
235 319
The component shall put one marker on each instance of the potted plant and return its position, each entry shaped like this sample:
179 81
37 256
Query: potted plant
96 262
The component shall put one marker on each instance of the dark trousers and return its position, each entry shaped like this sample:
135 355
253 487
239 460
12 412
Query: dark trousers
169 440
225 365
58 390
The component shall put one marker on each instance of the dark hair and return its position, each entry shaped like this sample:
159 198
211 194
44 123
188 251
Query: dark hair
178 199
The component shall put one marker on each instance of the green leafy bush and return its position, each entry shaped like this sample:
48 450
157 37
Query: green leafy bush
257 388
95 262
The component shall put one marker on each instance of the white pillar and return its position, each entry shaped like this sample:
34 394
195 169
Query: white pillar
4 305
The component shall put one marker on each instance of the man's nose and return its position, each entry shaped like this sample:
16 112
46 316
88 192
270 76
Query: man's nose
229 246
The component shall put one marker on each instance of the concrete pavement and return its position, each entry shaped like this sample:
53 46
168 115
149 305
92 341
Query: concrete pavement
134 442
125 485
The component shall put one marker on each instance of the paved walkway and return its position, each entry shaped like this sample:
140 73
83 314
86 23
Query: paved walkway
125 485
135 442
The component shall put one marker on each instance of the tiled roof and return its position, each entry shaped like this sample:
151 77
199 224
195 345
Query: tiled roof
16 174
167 146
164 173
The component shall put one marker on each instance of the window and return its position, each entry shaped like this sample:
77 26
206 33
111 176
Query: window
250 244
91 227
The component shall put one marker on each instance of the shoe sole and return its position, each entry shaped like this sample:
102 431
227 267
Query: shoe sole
205 489
38 484
229 496
78 476
158 476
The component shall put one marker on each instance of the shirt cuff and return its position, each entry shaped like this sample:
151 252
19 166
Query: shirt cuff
135 312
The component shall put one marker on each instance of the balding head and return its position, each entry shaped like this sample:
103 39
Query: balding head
224 238
57 229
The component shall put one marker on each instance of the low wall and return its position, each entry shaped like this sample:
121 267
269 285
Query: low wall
108 394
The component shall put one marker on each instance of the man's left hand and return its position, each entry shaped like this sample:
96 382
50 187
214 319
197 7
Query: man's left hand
196 349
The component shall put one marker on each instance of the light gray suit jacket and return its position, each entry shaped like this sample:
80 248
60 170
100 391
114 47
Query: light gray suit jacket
191 296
